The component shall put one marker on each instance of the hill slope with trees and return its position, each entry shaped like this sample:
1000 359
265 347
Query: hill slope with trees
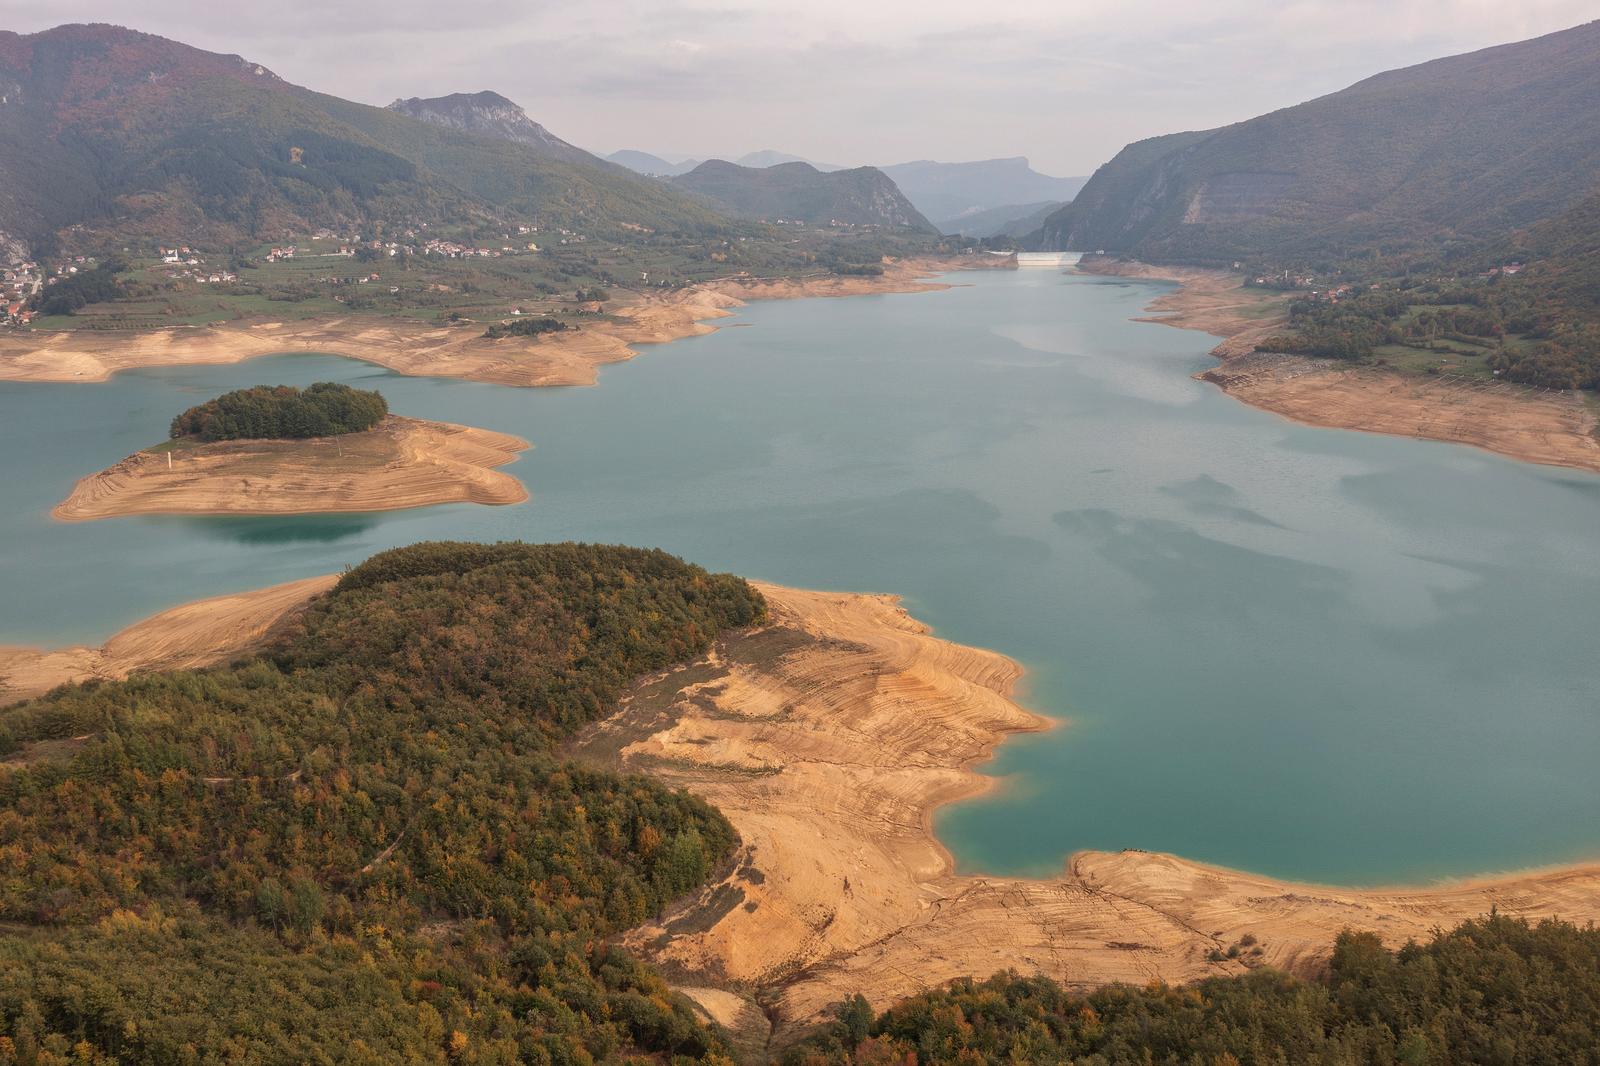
799 192
134 136
1495 990
361 845
1461 149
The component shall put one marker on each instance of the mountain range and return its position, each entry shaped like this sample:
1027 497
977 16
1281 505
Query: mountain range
656 166
1456 152
125 135
1004 190
1011 220
799 192
950 192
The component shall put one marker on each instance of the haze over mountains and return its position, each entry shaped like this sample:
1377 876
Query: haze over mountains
799 192
1456 151
950 194
656 166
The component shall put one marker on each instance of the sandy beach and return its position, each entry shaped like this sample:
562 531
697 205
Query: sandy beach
456 351
401 463
830 737
1535 426
194 634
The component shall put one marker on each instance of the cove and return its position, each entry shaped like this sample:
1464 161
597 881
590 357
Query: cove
1304 652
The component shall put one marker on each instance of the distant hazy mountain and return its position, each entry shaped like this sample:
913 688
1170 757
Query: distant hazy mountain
953 190
947 191
1012 220
1468 148
801 192
130 136
769 157
491 114
645 163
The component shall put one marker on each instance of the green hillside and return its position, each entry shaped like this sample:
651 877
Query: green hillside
362 845
135 136
863 196
1459 150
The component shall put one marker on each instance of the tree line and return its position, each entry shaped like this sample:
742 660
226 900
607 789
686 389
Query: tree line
282 412
526 327
1494 990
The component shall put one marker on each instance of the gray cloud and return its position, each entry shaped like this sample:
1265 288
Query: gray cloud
1066 82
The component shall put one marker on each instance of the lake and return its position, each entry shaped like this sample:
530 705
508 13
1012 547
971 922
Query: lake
1303 652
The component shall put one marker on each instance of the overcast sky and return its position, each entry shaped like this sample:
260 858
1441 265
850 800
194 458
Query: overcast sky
1064 82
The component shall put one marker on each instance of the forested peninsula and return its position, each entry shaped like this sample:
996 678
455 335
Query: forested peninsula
361 844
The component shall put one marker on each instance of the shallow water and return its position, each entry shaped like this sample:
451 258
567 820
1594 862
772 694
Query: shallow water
1303 652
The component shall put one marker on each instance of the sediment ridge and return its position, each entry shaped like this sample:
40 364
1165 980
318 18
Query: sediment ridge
1532 425
400 463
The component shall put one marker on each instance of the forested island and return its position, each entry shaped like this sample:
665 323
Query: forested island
283 451
282 412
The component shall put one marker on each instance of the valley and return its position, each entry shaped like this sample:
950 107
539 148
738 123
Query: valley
471 598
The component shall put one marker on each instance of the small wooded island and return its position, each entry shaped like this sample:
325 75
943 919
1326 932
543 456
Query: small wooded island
278 449
282 412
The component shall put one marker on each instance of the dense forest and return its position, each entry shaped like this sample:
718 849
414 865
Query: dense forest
1496 990
282 412
361 844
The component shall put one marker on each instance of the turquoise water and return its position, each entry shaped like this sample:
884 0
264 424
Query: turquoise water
1303 652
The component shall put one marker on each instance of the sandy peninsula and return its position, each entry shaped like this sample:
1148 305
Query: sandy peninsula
458 351
1533 425
400 463
830 736
194 634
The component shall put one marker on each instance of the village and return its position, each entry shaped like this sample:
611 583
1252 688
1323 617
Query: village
22 282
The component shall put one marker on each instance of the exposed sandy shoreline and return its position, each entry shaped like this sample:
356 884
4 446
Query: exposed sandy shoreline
461 351
194 634
828 738
403 462
831 736
1534 426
